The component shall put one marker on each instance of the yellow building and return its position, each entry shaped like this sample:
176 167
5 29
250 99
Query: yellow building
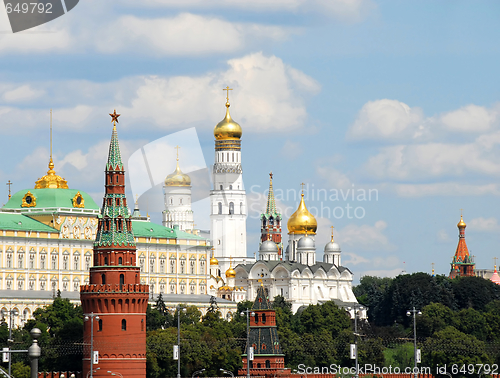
46 245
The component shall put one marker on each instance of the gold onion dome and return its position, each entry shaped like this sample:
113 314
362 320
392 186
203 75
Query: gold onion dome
213 260
302 221
230 273
461 224
177 178
51 180
227 129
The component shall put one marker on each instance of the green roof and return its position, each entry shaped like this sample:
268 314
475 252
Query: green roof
148 229
50 198
20 222
114 157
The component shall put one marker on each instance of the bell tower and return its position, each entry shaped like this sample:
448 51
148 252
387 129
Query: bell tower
228 198
115 301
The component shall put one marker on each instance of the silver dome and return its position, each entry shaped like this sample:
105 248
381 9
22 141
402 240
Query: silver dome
268 246
332 247
306 242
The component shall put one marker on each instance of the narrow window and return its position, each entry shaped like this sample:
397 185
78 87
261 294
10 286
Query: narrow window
268 364
99 325
263 318
103 279
124 325
120 260
231 208
220 207
256 318
122 280
105 261
142 324
230 187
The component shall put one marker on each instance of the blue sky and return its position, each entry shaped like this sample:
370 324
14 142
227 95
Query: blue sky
400 98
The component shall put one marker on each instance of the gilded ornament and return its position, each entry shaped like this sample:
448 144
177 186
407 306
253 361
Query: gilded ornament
78 201
29 200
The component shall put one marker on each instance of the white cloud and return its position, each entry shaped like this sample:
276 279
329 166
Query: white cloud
264 94
443 236
344 10
365 237
184 34
21 94
446 189
353 259
470 118
414 162
334 178
484 224
383 272
387 119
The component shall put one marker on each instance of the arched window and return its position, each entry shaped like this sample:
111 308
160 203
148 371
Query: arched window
142 324
99 325
256 318
220 207
241 207
120 260
103 279
124 325
263 318
105 261
268 364
122 280
231 208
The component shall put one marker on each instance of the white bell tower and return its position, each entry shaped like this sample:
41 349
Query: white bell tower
228 198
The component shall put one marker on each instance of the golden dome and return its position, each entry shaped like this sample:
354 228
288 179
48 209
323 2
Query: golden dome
302 221
213 260
230 273
51 180
227 128
177 178
461 224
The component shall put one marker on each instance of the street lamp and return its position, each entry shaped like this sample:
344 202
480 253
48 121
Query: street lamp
197 372
11 313
93 371
179 340
115 373
227 372
248 311
357 307
91 317
415 313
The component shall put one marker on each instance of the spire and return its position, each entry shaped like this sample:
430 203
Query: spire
115 226
51 180
271 202
495 277
462 263
114 156
261 301
332 234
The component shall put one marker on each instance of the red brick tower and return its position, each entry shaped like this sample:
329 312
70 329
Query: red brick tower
462 264
114 292
271 221
269 359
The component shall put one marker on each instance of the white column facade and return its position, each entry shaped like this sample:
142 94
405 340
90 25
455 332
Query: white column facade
228 206
178 207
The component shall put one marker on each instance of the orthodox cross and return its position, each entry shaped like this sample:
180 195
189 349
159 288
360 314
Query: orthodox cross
302 184
494 258
9 184
332 231
114 118
177 148
227 89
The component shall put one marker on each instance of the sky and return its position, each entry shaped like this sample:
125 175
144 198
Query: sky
387 111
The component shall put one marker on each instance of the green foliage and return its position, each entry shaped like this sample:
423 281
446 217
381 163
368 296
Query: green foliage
20 370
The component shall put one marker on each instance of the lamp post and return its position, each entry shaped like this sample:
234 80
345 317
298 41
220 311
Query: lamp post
227 372
248 311
179 340
415 313
356 307
11 313
198 372
91 317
